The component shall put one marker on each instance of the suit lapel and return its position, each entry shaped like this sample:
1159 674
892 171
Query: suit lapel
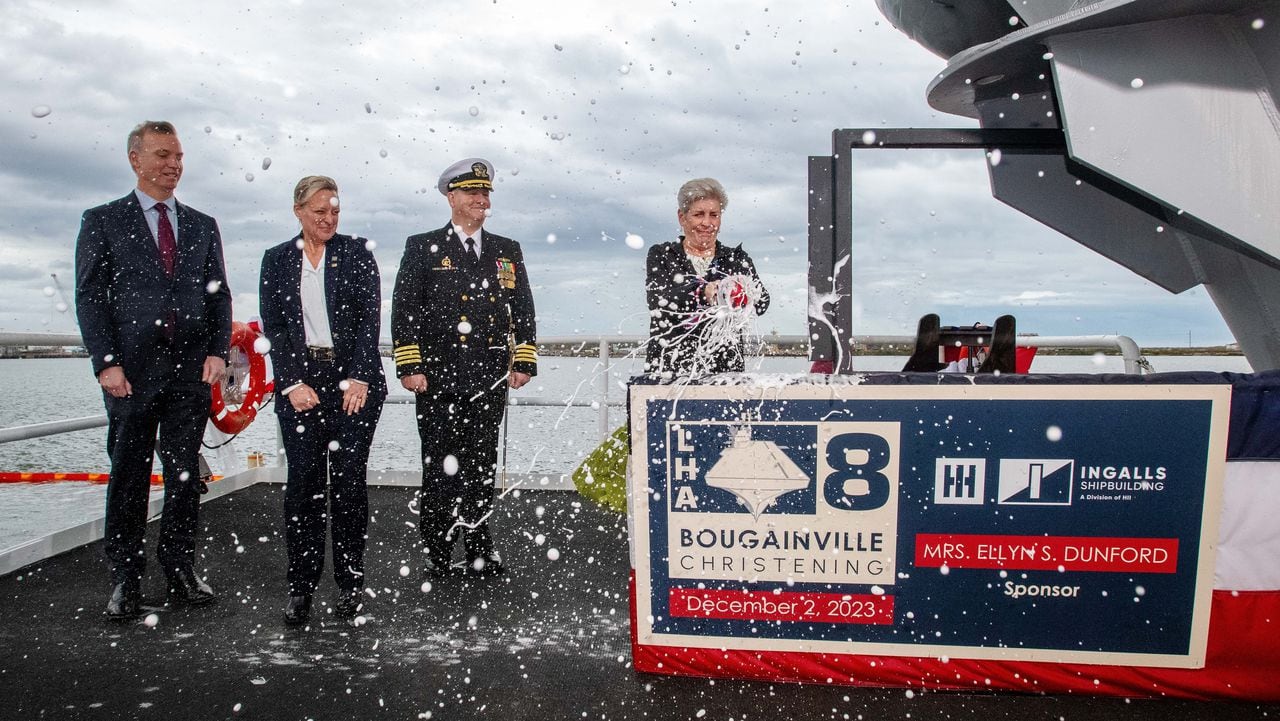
290 289
189 239
333 262
488 254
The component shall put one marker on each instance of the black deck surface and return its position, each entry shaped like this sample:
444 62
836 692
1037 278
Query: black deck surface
550 640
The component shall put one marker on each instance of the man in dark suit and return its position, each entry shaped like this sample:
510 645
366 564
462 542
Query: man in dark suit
155 316
462 296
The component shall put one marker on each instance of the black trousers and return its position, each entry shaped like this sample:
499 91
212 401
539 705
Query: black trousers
461 435
176 411
328 455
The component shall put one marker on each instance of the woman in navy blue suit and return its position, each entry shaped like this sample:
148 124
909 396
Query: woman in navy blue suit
320 305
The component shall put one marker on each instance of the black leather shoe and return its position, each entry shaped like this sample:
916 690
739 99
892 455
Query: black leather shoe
185 587
431 569
349 604
486 566
298 611
125 602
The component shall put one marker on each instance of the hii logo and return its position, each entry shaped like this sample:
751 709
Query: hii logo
1036 481
960 481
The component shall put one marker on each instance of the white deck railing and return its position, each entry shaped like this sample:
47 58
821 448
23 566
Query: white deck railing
599 400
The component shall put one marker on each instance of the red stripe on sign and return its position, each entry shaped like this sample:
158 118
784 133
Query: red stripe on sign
1048 553
769 606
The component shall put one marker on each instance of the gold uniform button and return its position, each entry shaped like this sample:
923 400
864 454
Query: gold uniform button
464 296
462 338
463 319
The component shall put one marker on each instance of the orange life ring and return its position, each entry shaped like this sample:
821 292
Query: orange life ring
242 338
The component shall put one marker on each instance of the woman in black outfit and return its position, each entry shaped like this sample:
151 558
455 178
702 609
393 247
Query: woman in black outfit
688 281
319 298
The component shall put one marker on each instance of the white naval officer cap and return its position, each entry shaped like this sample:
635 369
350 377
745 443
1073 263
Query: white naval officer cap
464 174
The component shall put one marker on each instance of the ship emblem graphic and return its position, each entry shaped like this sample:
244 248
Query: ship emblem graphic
757 472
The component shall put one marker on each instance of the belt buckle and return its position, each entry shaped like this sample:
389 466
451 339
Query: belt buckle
321 354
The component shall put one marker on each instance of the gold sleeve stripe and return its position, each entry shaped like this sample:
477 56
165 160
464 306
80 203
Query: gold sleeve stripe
526 353
408 355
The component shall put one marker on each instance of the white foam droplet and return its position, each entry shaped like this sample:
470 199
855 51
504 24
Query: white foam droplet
634 241
334 445
553 554
370 245
464 327
1053 433
551 238
869 137
266 163
248 177
213 287
1136 83
151 620
473 111
450 465
41 111
261 345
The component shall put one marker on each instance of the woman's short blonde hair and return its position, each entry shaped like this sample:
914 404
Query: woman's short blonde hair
311 185
701 189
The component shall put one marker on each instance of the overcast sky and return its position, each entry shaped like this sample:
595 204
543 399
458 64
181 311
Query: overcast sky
593 115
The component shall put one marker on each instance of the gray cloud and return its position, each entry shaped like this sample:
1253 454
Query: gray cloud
593 116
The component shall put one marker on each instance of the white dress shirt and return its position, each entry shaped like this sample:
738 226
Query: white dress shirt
315 312
152 215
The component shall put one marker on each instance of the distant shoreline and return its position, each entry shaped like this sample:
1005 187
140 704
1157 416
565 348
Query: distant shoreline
622 350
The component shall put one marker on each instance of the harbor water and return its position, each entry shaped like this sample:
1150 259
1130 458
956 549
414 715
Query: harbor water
541 441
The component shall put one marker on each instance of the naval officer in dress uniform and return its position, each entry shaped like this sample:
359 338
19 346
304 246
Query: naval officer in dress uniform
462 323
